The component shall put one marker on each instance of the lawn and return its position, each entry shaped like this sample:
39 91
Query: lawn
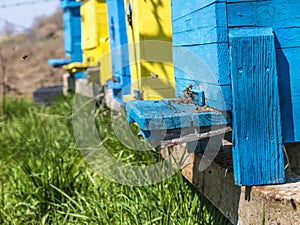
45 179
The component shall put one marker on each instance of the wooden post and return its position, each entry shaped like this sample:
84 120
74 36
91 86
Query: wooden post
257 141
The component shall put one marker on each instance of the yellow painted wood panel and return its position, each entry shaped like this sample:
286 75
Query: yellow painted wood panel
151 20
95 41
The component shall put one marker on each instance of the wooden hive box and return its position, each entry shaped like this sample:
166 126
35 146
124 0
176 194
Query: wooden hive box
95 40
149 21
203 29
94 43
72 33
118 48
252 50
283 18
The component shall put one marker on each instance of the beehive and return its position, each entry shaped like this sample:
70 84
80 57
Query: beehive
252 50
149 20
95 40
200 28
72 33
203 29
118 48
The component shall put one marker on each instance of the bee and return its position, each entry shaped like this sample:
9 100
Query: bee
25 56
153 76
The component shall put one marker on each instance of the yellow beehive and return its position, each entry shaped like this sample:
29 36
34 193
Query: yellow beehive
94 38
148 21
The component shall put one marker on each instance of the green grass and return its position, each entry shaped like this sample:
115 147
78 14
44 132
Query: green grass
45 180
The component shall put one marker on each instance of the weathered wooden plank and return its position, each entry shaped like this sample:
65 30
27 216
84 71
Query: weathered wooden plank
200 36
193 20
287 37
207 63
269 204
283 18
165 115
190 137
278 14
181 8
237 1
275 14
207 25
257 150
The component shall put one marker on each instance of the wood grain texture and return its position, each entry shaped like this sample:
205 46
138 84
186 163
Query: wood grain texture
207 63
206 25
287 37
283 18
181 8
273 204
201 28
163 115
275 14
257 141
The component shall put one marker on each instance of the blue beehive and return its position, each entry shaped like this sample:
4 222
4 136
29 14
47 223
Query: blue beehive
72 34
207 28
118 48
244 56
252 47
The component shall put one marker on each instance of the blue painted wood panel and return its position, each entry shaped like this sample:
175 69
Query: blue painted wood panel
238 1
257 142
201 28
118 47
291 108
288 37
288 60
165 115
72 34
182 7
207 63
275 14
201 63
206 25
69 3
214 95
283 17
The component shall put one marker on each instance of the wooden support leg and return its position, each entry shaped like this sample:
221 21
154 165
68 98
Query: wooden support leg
269 204
257 142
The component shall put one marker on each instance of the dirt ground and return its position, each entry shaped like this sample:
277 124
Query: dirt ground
26 66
